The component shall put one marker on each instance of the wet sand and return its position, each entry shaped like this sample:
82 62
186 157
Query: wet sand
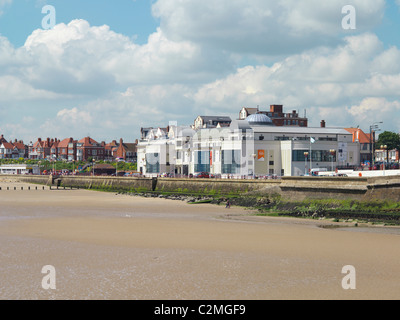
108 246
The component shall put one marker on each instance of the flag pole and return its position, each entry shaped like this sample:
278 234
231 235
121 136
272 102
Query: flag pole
310 157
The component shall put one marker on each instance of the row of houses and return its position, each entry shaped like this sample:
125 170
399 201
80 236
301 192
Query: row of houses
255 144
68 149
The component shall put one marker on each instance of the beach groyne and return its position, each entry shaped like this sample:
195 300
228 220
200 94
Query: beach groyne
292 188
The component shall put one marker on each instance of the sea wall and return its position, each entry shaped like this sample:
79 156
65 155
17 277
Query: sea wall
301 188
217 186
105 183
291 188
43 180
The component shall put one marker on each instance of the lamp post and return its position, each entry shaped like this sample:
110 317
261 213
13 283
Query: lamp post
372 129
384 148
254 164
94 161
305 162
332 152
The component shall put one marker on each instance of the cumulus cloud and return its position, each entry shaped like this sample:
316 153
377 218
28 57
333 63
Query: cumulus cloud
373 109
105 84
85 59
264 27
323 82
73 115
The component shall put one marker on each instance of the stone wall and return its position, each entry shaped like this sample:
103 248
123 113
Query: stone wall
292 188
217 186
105 183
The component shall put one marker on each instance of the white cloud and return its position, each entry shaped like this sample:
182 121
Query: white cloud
105 84
83 59
323 82
263 27
374 109
67 116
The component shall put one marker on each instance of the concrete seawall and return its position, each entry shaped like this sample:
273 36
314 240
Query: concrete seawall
217 186
292 188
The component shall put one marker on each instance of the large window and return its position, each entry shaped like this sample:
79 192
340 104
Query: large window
202 161
231 161
153 163
317 155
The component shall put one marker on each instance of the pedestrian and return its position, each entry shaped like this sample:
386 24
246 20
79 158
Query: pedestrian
228 204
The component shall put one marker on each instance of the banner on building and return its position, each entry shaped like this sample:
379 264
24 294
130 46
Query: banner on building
261 155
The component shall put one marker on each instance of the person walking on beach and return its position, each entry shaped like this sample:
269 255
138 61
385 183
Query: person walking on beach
228 204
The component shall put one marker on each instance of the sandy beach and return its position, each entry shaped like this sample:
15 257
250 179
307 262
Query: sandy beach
109 246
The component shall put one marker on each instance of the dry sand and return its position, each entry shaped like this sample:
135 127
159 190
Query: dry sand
108 246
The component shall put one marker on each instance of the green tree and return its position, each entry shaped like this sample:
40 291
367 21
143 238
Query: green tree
389 139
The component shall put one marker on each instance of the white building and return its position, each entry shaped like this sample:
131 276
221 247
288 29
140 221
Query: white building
251 147
19 169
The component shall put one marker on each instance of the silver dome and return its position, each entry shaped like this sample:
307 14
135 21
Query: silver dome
259 119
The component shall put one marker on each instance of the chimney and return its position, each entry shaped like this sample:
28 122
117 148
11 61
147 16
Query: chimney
121 141
323 124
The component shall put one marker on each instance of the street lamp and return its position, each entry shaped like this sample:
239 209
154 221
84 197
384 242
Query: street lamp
372 129
305 162
332 152
384 148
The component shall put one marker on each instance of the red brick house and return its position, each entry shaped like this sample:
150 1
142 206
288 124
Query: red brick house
54 148
126 151
40 149
65 151
87 147
110 150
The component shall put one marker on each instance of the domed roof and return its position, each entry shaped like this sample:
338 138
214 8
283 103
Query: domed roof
259 119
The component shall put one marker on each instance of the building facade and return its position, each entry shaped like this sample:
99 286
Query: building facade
251 147
88 147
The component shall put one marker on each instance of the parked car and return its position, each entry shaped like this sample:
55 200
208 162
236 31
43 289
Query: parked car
202 175
394 165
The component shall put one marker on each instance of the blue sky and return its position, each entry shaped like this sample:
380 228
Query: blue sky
132 18
108 68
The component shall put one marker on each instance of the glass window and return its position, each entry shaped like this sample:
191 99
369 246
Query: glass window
202 161
231 161
153 163
317 155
